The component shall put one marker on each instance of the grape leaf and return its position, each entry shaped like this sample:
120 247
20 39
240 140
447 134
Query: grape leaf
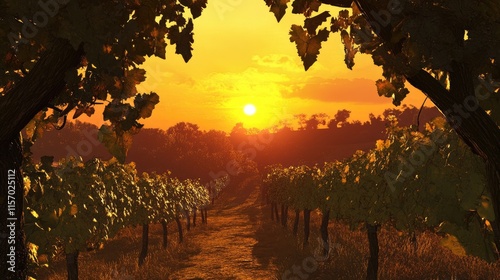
73 210
394 89
349 49
311 24
130 120
340 23
182 40
485 209
114 111
385 88
145 103
467 240
133 77
136 74
196 6
87 110
117 145
277 7
305 7
451 242
308 46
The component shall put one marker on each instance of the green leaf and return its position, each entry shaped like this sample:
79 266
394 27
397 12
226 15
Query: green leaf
117 145
451 242
49 219
485 209
35 234
471 239
35 128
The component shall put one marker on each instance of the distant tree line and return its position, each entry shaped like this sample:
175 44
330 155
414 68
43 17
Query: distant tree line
189 152
184 149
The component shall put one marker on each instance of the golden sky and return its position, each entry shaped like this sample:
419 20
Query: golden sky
243 55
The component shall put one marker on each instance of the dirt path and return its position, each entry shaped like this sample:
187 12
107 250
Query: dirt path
233 245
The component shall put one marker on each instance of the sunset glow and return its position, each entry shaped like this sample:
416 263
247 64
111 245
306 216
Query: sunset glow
257 62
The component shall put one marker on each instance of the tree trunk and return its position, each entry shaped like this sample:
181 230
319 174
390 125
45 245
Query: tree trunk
35 91
206 215
72 265
194 217
307 218
202 216
13 253
475 127
18 106
324 231
284 215
494 180
272 211
145 241
276 212
296 222
372 269
179 226
413 240
164 226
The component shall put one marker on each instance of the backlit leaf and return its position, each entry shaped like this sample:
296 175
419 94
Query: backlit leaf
305 7
277 7
185 40
311 24
308 46
117 145
73 210
349 49
145 103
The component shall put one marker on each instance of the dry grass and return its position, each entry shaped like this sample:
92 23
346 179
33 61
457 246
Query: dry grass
118 259
241 242
398 258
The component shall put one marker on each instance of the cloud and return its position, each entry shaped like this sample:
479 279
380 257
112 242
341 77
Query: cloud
360 91
251 82
158 78
278 61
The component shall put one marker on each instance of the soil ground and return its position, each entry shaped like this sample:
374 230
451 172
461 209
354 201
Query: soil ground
233 247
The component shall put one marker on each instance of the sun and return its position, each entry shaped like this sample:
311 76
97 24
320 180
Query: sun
249 109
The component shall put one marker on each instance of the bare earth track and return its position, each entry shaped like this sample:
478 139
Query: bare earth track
230 247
